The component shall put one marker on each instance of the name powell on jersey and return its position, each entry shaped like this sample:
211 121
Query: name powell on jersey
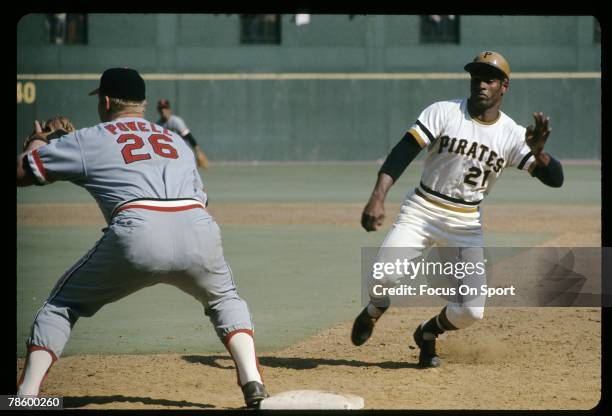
474 150
115 128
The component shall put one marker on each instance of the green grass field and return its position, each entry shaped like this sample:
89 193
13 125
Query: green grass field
297 279
346 182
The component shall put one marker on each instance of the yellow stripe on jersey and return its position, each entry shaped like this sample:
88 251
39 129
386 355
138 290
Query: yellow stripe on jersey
418 137
445 206
487 123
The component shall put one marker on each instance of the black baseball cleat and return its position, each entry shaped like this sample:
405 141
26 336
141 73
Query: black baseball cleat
254 392
362 327
427 357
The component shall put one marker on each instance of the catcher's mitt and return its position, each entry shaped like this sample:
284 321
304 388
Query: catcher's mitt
52 129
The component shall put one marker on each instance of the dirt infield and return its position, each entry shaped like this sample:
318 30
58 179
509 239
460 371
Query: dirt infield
516 358
530 358
584 229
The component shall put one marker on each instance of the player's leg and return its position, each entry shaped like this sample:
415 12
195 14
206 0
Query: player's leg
454 316
412 233
37 365
100 277
208 278
466 239
49 334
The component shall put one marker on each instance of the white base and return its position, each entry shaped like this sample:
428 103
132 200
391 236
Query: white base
312 399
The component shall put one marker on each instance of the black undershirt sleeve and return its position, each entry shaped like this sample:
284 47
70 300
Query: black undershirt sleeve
400 157
551 175
189 138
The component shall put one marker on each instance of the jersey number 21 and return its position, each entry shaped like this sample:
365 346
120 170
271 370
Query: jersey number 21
475 174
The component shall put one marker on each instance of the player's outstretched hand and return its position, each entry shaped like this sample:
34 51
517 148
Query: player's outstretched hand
373 215
535 137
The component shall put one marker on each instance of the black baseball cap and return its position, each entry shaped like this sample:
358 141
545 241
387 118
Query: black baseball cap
124 83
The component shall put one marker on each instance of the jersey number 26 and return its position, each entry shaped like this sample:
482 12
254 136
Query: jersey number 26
135 142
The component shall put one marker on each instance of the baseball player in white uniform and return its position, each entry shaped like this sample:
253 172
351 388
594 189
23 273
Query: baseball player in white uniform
469 142
177 125
146 183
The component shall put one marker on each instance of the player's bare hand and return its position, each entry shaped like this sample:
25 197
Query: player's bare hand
373 215
535 137
37 127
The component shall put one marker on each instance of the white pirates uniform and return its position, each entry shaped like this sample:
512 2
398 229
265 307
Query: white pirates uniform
464 159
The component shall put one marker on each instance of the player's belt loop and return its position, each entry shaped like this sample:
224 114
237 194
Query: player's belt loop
445 206
161 205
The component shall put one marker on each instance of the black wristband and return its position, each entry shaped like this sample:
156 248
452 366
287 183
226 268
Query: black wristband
189 138
551 175
400 157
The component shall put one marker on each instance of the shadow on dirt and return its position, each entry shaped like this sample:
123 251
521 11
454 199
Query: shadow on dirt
294 363
80 401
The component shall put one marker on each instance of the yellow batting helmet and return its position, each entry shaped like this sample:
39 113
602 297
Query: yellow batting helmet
490 59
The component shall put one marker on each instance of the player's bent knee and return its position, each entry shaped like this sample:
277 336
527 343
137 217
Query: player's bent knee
464 316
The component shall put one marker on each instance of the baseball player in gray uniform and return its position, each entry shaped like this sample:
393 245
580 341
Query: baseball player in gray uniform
469 142
177 125
146 183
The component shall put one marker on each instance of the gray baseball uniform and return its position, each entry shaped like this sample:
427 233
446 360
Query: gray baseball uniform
147 186
176 124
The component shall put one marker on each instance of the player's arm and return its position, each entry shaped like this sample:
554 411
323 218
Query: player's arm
25 176
178 125
192 142
546 168
395 164
50 156
190 139
185 133
201 158
50 153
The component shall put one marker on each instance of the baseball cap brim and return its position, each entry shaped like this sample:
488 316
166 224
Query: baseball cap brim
95 92
472 66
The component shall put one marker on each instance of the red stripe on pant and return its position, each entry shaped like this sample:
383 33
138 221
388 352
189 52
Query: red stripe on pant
226 340
162 209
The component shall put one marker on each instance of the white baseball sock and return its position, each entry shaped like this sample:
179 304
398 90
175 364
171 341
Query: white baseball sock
242 348
37 365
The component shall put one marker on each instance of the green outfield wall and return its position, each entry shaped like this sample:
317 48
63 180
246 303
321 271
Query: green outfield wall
334 89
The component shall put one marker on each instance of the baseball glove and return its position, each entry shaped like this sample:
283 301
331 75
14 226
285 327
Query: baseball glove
52 129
